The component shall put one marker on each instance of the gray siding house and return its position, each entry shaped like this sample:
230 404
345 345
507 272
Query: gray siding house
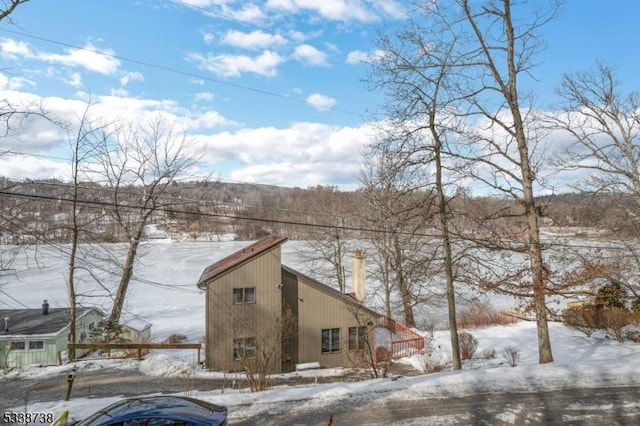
257 307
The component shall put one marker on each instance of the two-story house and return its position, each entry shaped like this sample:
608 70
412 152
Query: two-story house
255 306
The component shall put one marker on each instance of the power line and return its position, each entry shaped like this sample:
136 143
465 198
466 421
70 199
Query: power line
182 72
184 200
210 216
200 214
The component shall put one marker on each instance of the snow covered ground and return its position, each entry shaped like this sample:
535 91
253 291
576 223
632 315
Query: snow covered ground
167 297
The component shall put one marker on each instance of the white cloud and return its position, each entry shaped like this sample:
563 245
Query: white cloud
305 153
131 76
234 65
88 57
254 40
390 8
74 80
14 83
204 96
17 167
208 38
358 56
342 10
310 55
120 91
248 13
12 49
320 102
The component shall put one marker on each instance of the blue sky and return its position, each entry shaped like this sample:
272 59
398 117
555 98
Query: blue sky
272 89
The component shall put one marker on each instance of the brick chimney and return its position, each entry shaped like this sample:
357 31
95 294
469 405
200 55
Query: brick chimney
45 308
359 273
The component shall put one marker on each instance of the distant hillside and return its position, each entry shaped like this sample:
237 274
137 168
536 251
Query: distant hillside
34 210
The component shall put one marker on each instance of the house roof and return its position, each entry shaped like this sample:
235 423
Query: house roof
344 297
137 324
239 258
27 322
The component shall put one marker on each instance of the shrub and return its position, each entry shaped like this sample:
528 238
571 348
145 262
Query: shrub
176 338
588 319
582 318
468 345
614 320
612 295
635 305
489 354
481 314
512 355
432 359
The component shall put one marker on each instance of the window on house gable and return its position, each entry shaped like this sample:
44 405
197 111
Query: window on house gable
36 345
244 295
244 348
16 346
357 338
330 340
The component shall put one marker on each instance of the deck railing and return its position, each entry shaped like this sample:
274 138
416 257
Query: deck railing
404 341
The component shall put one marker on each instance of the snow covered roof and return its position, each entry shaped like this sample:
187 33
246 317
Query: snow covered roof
32 322
137 324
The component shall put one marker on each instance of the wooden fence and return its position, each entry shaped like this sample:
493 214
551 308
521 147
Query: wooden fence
136 346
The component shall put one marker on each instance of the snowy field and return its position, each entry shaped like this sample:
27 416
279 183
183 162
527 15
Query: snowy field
167 297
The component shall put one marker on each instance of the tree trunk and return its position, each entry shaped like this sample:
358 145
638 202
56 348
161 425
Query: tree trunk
535 248
127 273
446 245
405 293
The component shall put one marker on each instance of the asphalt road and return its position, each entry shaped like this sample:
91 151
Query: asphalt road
602 406
583 406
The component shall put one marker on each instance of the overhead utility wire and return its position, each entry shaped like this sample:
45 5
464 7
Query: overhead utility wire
278 221
178 71
185 200
202 214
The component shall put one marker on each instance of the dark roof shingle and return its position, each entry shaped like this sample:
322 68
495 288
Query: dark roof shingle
33 322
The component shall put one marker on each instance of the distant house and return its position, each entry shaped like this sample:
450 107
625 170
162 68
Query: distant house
255 306
136 330
40 336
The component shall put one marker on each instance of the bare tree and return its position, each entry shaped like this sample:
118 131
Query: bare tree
147 160
82 148
417 75
480 51
8 7
326 259
258 347
401 206
604 126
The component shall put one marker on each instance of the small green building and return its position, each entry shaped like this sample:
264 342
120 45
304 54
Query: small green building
40 336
